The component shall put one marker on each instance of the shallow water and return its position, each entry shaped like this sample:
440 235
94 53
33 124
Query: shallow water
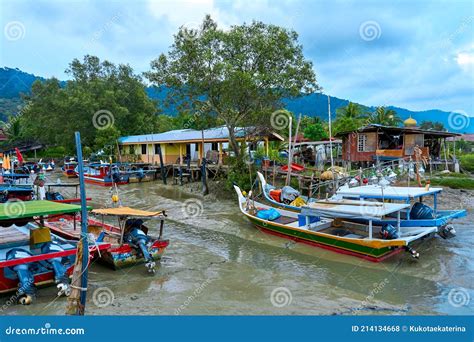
219 264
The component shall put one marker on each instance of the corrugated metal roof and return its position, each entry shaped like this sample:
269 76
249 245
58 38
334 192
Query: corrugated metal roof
217 133
375 127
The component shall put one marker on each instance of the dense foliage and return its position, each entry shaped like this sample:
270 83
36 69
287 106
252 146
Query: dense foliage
102 101
240 75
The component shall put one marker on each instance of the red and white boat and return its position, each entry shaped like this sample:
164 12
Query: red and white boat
104 174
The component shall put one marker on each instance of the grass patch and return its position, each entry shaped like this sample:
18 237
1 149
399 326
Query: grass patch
454 182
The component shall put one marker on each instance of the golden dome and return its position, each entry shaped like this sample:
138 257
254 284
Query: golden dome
410 122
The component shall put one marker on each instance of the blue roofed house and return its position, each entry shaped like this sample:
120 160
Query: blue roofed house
177 144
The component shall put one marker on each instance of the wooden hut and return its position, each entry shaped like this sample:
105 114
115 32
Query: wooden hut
380 142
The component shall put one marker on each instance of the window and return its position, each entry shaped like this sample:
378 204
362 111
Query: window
362 143
157 148
143 148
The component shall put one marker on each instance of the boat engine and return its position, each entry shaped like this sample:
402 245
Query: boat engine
137 237
389 232
447 231
26 287
60 276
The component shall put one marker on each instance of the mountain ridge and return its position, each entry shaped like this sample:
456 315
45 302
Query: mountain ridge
14 82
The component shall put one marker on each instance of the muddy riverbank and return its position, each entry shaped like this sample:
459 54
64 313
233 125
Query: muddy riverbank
218 264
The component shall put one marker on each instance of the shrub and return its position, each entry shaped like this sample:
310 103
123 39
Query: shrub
467 162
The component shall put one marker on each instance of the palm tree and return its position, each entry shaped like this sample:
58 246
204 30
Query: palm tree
351 111
384 116
348 118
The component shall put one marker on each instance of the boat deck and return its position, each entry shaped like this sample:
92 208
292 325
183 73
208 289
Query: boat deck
66 226
13 237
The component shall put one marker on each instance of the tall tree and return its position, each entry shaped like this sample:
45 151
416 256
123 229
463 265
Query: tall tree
351 111
102 101
314 128
239 75
348 118
384 116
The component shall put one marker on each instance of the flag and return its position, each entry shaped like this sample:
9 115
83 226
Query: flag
6 162
18 155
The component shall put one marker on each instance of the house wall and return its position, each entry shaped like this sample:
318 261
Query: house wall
350 150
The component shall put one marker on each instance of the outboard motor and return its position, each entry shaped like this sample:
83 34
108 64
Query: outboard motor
116 176
137 237
389 232
421 211
60 276
447 231
54 196
26 288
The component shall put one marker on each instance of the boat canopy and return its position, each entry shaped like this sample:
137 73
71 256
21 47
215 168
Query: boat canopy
350 209
389 192
14 210
127 211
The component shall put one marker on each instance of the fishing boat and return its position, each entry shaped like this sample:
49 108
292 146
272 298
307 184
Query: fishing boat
46 166
139 172
327 225
18 192
130 242
69 169
416 214
30 255
104 174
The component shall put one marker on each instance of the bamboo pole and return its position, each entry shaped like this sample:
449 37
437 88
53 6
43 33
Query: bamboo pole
77 305
74 306
290 128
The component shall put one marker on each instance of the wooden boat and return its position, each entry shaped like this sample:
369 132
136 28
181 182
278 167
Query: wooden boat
18 192
139 172
130 242
30 255
69 169
407 195
104 174
326 225
294 167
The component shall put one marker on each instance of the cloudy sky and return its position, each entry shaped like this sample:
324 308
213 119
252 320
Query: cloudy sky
413 54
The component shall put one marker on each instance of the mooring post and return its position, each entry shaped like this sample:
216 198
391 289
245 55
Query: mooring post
162 168
205 189
74 307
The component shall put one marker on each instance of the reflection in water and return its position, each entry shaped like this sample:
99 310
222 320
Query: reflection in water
217 263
